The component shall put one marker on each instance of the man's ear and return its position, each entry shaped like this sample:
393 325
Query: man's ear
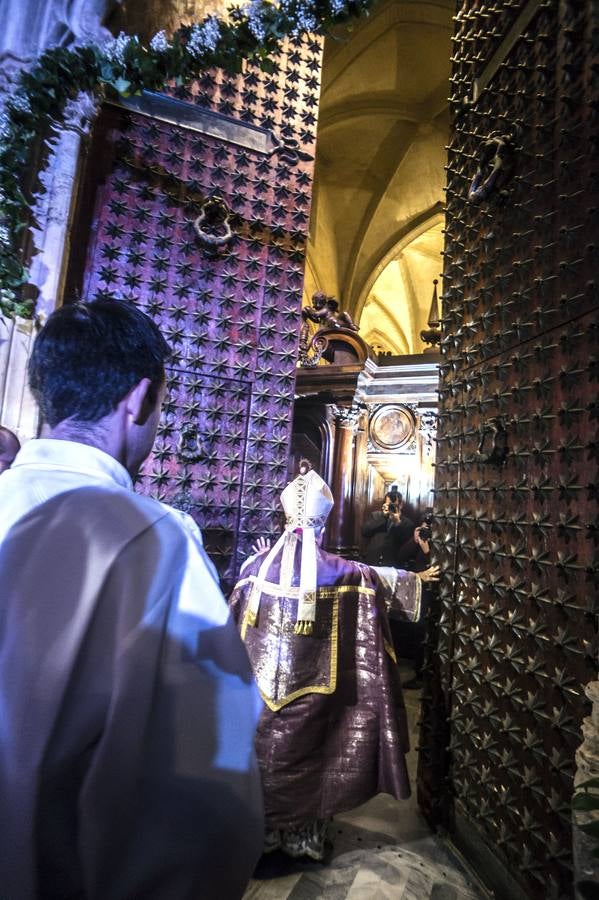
141 401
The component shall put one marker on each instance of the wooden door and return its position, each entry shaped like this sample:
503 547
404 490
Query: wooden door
512 642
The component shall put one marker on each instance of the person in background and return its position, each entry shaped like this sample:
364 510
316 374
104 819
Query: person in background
9 447
333 732
387 531
415 556
127 703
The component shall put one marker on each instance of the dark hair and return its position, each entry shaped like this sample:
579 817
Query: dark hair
394 496
89 355
8 437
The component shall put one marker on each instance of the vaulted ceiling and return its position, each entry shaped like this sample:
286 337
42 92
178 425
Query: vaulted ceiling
376 227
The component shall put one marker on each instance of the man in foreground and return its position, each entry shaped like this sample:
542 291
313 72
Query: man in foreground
334 731
127 705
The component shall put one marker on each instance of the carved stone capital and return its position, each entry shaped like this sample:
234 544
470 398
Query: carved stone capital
84 19
11 67
80 114
427 426
348 416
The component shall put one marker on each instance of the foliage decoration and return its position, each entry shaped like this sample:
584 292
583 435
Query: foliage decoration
123 66
586 800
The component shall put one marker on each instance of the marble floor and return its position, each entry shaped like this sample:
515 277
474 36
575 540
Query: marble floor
382 851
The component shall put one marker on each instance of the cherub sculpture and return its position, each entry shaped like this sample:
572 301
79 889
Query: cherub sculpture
341 319
324 311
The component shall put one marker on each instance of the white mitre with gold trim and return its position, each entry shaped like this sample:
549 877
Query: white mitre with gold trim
307 502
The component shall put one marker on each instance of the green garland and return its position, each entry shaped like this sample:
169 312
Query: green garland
124 66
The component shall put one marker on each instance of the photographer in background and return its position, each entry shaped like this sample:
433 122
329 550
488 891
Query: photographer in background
414 556
387 531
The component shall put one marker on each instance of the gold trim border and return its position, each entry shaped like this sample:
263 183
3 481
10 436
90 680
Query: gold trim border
322 593
329 688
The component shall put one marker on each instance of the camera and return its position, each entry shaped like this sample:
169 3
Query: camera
392 509
426 530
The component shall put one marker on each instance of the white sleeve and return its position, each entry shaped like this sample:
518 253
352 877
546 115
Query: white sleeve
402 591
188 523
193 531
173 783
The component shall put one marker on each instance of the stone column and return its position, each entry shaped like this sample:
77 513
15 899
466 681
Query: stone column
53 206
52 213
341 520
586 866
31 27
360 487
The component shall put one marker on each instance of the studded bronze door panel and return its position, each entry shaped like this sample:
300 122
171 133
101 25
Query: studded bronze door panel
512 638
200 413
230 312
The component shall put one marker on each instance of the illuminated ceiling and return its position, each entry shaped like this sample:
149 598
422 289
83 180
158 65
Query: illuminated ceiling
376 228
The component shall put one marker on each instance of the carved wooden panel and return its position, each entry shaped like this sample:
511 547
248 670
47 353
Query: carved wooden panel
512 639
230 311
